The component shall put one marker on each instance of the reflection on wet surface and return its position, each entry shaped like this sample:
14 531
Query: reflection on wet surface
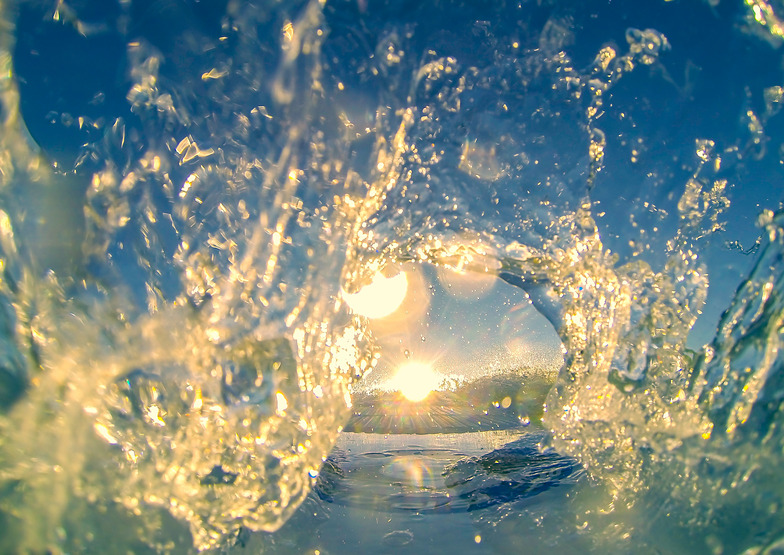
434 493
441 472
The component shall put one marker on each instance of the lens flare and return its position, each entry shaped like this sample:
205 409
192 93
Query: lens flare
415 380
380 298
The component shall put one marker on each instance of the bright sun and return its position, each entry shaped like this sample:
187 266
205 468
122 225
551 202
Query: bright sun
415 380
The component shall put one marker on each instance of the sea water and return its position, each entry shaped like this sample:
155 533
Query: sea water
197 200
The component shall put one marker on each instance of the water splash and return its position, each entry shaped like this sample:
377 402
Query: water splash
175 341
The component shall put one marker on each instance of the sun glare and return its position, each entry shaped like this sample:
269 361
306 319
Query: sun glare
415 380
380 298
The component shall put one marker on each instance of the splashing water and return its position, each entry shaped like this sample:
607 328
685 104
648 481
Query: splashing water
189 197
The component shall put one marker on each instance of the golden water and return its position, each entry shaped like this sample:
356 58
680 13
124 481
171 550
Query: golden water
175 341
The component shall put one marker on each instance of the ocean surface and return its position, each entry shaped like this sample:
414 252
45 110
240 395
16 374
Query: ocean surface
391 276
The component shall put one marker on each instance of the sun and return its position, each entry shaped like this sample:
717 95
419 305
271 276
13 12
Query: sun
415 380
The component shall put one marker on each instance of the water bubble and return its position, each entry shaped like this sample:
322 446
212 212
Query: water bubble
139 395
255 371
